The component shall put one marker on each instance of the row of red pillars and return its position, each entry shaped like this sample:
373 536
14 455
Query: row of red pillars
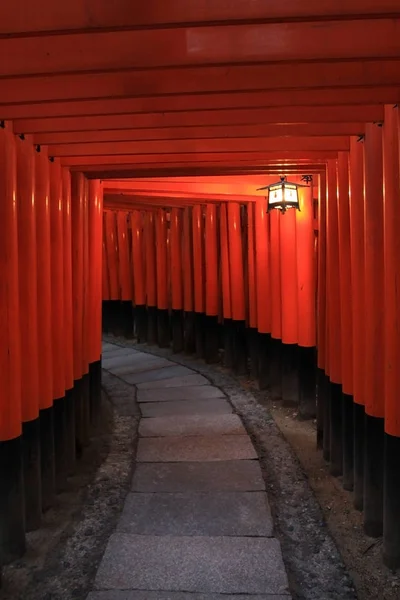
50 322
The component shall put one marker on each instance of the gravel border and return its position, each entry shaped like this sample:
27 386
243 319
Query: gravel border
315 568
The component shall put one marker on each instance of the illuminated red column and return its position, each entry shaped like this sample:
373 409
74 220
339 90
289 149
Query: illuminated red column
391 216
374 331
357 228
176 270
12 510
346 319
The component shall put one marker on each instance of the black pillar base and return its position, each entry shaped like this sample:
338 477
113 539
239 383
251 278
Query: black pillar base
321 392
336 445
81 416
275 369
12 503
60 444
211 339
141 324
152 325
307 383
358 450
70 399
85 387
391 503
265 345
290 375
163 331
189 341
177 331
32 474
105 316
95 390
47 458
373 476
347 434
228 343
199 334
127 319
253 350
240 348
326 446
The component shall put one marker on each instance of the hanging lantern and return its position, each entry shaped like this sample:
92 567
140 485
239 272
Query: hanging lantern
282 195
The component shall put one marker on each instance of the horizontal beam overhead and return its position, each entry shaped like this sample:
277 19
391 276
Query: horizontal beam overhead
201 102
200 46
45 15
202 171
206 118
117 160
198 147
283 76
201 132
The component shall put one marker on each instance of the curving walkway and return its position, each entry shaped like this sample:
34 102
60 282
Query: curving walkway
196 524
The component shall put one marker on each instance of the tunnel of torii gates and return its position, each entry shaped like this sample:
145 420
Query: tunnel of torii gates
133 140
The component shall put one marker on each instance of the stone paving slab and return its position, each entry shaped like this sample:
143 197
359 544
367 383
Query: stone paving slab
142 364
194 379
123 360
212 514
226 565
216 406
196 448
119 351
156 375
145 595
195 392
106 347
192 425
232 476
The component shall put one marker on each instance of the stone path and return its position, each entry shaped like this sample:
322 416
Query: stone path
196 524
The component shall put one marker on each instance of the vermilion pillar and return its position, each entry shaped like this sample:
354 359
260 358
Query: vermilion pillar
346 317
78 232
322 323
175 270
58 321
12 513
262 267
334 320
306 301
188 284
95 293
358 310
198 276
225 274
252 334
45 355
27 254
68 322
289 308
125 276
264 300
151 276
162 279
211 285
237 287
139 275
391 521
275 275
374 331
251 254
